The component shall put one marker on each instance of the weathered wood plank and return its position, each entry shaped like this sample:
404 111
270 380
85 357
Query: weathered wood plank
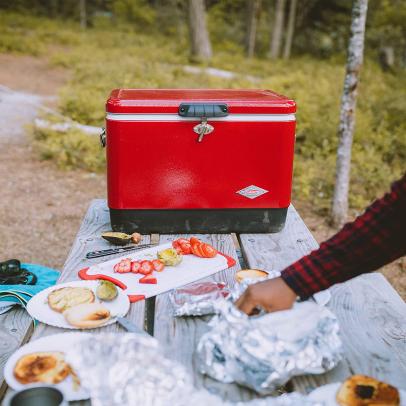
179 336
15 330
88 239
371 313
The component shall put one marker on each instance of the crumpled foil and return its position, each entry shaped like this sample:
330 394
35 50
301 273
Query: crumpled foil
129 369
198 299
264 352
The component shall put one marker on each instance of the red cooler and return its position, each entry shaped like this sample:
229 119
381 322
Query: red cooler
199 161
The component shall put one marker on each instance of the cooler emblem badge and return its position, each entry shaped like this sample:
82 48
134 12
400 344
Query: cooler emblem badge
252 192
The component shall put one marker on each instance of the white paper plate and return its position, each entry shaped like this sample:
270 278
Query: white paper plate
56 342
38 307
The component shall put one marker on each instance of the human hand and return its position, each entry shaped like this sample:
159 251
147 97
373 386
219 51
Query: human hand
271 295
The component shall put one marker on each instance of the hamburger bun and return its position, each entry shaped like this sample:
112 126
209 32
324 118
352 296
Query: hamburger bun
64 298
250 274
361 390
45 367
87 315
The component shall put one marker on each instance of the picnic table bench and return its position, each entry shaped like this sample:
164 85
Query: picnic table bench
372 315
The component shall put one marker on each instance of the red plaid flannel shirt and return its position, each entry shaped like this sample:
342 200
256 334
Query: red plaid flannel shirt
372 240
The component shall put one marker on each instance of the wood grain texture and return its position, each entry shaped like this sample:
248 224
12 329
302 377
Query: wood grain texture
88 239
370 312
179 336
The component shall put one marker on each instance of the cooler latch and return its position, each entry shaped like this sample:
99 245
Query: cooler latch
203 111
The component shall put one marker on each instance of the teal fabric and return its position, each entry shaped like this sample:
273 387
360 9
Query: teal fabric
23 293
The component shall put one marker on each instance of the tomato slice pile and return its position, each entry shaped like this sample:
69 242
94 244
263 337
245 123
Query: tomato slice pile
194 246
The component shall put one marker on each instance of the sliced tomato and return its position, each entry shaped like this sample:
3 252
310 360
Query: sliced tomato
186 248
146 267
208 250
204 250
194 240
158 265
181 241
135 266
116 267
148 279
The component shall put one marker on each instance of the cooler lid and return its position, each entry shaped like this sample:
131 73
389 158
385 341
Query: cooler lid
252 101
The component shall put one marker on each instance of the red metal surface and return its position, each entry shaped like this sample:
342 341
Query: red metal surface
168 100
160 165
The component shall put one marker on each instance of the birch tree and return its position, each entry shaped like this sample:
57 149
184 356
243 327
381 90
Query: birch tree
83 16
276 37
291 29
254 7
200 46
347 114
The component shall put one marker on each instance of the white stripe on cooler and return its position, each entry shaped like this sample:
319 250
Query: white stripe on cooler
176 117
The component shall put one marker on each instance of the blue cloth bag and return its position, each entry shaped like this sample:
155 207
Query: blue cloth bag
21 294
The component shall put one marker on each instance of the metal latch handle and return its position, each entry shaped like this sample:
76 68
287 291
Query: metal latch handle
203 110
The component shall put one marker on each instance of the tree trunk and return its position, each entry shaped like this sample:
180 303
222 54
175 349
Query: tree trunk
291 29
276 40
347 115
254 7
199 36
83 16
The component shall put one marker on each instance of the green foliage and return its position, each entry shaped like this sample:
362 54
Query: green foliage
101 59
70 150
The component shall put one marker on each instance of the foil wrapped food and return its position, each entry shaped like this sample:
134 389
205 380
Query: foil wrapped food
263 352
129 369
198 299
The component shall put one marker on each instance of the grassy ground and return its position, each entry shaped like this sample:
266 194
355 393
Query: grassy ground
106 57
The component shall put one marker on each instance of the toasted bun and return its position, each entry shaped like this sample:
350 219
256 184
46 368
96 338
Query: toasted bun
88 315
361 390
250 274
46 367
64 298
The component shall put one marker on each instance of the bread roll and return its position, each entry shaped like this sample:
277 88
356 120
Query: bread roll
45 367
250 274
88 315
64 298
361 390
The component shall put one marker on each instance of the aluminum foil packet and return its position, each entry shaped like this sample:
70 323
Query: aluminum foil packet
198 299
263 352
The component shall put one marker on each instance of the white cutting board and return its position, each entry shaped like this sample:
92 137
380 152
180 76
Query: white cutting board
191 269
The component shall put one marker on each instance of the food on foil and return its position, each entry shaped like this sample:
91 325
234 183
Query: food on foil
118 238
63 298
87 315
170 257
264 352
158 265
106 290
252 274
198 299
361 390
44 367
148 279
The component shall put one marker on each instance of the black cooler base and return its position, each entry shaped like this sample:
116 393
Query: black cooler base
198 221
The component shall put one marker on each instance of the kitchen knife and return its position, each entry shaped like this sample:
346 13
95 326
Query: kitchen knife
129 326
112 251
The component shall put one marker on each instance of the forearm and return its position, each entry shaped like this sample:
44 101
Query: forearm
374 239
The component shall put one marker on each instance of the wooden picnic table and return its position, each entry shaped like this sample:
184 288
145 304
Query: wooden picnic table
371 314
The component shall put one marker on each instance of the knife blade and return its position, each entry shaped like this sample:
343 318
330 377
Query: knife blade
112 251
130 326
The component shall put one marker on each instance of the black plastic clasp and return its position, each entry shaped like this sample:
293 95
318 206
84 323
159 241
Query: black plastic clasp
203 110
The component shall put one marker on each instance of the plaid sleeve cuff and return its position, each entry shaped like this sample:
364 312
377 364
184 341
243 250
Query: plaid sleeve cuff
299 277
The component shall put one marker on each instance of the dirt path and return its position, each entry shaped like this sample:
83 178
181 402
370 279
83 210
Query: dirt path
42 207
